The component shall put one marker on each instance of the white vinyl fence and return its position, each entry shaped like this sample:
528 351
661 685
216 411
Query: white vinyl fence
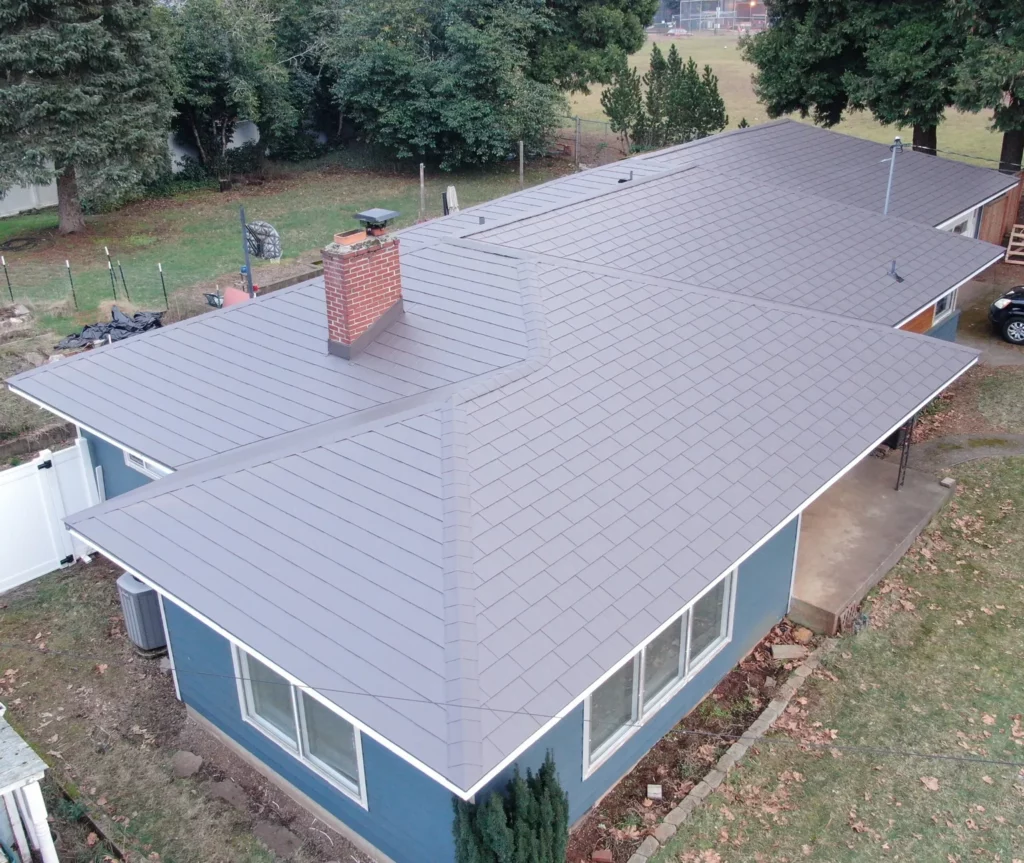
34 498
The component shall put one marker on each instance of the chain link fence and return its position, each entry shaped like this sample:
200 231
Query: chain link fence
587 143
85 285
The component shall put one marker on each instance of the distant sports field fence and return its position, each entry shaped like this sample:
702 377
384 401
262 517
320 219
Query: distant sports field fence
586 142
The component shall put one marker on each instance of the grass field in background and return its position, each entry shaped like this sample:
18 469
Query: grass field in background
964 133
197 236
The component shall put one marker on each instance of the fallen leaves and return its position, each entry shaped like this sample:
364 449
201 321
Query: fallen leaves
930 782
988 719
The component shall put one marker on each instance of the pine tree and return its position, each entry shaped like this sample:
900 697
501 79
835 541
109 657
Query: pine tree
528 824
656 99
467 840
495 834
680 104
623 104
87 91
523 808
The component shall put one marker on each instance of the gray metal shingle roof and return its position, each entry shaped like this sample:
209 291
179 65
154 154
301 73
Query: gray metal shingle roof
454 535
453 573
212 383
789 154
736 235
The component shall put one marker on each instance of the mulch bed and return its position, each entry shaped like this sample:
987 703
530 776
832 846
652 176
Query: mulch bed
625 816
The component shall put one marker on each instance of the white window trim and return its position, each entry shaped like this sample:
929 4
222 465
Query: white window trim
146 468
298 749
937 317
641 715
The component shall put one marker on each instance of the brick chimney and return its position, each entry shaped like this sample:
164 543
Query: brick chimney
363 284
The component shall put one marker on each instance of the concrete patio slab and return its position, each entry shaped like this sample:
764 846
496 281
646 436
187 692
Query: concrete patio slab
854 534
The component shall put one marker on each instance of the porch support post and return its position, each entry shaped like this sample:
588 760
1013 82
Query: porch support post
38 826
14 816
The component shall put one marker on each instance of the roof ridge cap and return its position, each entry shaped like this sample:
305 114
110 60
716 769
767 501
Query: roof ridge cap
462 695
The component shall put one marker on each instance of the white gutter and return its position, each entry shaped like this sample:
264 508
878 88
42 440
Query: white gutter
92 431
950 222
958 285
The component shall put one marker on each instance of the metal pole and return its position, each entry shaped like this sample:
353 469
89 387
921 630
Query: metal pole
897 147
423 193
576 143
522 173
245 250
163 285
74 296
110 268
10 290
124 284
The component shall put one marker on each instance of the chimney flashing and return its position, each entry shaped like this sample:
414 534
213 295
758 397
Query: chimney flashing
348 351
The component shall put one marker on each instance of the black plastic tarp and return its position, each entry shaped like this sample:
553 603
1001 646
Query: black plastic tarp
119 327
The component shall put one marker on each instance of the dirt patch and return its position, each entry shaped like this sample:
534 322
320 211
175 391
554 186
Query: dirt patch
955 412
625 816
108 724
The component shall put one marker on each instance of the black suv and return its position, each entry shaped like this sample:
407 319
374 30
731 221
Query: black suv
1007 315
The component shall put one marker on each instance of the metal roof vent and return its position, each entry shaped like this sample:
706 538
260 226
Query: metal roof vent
142 617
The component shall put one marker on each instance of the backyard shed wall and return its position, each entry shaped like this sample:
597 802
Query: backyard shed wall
118 478
762 600
409 816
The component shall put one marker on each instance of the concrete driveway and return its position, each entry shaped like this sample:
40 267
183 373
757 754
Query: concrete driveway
975 330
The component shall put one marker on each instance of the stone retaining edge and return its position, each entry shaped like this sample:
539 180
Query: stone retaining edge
758 728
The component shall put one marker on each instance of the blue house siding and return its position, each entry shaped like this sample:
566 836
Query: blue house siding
947 329
118 478
409 816
762 600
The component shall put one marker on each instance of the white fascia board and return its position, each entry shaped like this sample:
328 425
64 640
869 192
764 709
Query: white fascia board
540 732
948 291
477 787
81 425
942 226
291 678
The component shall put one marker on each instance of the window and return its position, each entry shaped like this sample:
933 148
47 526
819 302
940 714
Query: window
639 687
710 623
311 732
665 662
612 708
945 306
143 466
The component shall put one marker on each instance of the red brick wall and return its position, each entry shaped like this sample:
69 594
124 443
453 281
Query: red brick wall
361 282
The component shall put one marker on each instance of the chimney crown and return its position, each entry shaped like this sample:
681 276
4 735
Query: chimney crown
363 288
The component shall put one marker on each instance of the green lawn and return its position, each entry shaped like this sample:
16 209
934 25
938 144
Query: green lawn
196 237
964 133
938 671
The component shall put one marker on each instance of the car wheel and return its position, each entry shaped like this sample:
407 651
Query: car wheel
1013 331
